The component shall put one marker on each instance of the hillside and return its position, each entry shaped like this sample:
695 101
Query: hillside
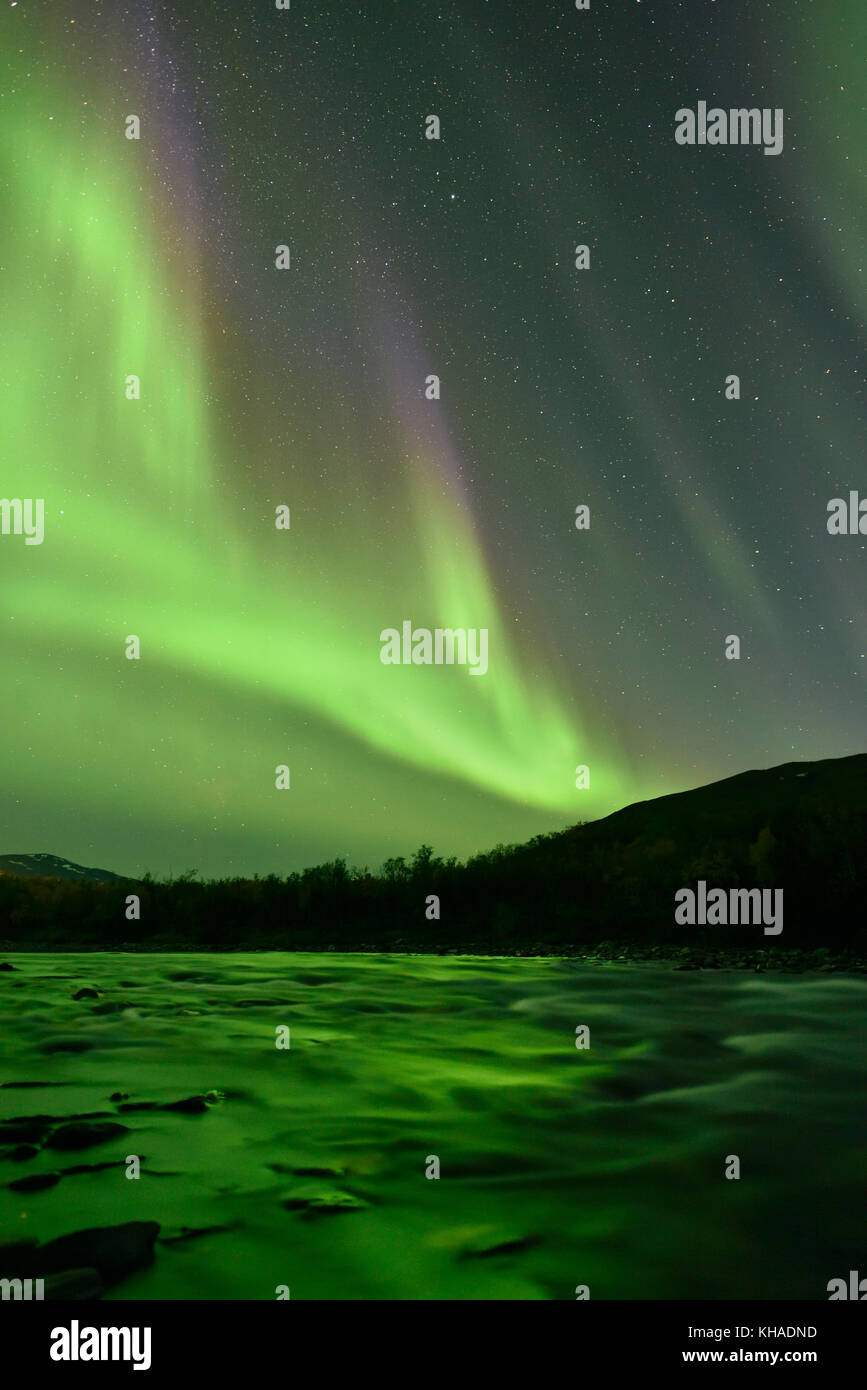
801 827
50 866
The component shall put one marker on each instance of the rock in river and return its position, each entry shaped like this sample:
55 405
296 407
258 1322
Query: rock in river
84 1136
113 1251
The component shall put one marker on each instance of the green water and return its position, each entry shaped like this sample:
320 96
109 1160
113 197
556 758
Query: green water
559 1167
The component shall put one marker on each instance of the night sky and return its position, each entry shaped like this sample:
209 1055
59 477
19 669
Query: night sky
305 388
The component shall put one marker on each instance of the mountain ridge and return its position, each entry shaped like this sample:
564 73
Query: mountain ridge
685 812
42 865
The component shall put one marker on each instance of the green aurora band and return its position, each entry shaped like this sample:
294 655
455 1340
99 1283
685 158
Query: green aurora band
251 637
305 388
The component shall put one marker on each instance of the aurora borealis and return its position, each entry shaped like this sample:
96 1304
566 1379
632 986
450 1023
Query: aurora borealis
306 388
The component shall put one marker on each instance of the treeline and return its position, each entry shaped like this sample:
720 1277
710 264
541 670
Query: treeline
611 881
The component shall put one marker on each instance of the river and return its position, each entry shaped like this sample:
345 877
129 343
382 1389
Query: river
559 1167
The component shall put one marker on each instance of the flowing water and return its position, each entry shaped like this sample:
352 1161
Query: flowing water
558 1166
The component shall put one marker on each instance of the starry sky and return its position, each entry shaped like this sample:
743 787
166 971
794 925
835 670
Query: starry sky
305 388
